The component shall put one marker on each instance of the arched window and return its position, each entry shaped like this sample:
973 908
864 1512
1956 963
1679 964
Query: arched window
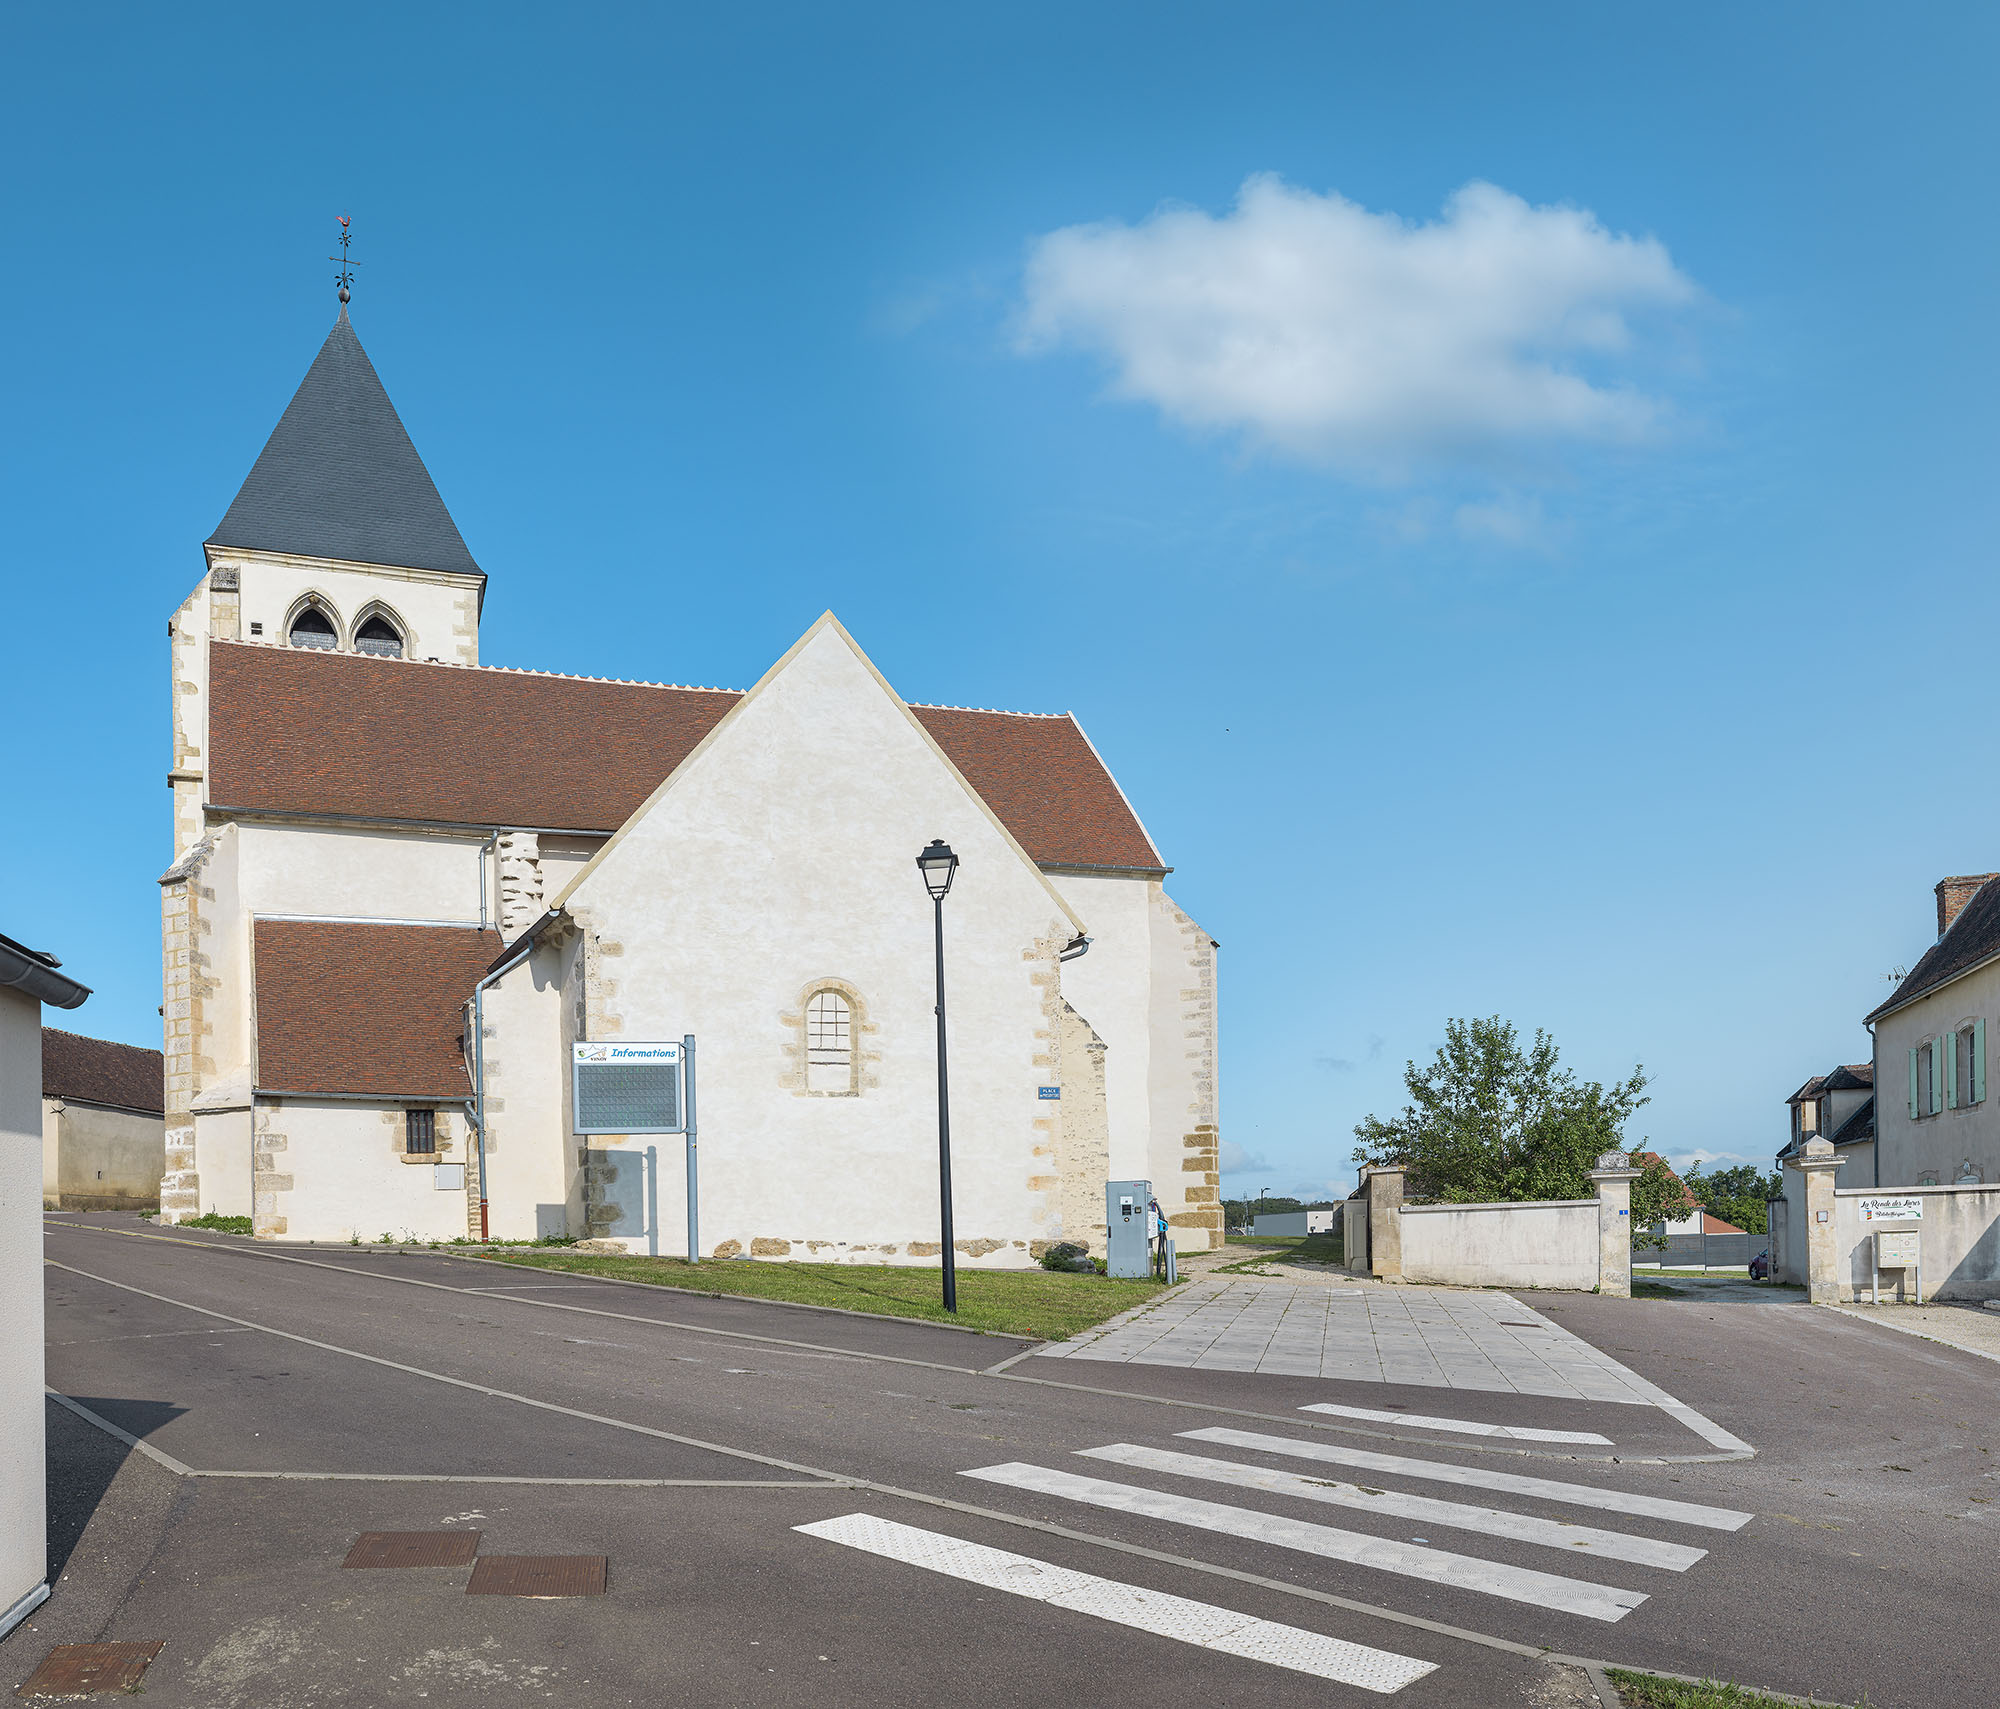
378 636
313 628
829 1043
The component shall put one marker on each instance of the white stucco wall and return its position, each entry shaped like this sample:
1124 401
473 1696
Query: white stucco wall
100 1159
1959 1242
1112 989
435 611
23 1509
325 871
222 1145
344 1174
782 854
533 1172
1183 1076
1549 1243
1943 1143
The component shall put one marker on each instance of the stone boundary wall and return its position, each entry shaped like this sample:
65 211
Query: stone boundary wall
1959 1242
1549 1243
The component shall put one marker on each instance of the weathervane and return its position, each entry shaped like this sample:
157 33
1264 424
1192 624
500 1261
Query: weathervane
345 277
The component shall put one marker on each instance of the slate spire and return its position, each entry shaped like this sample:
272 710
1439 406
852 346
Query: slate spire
339 478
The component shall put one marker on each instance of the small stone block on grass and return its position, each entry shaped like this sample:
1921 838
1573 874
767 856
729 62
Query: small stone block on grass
80 1670
413 1549
538 1575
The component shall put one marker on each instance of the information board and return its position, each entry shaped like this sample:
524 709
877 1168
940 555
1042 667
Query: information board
627 1087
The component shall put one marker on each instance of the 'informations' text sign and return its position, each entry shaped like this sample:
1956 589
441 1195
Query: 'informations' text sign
627 1087
1909 1209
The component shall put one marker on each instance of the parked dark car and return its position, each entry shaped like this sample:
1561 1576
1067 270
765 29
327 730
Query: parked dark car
1760 1267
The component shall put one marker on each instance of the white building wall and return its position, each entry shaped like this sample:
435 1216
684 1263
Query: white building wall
1184 1078
100 1159
436 611
1112 989
783 854
339 1172
327 871
1941 1144
23 1508
533 1169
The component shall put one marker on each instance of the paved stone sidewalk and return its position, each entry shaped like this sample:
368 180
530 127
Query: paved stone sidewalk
1432 1337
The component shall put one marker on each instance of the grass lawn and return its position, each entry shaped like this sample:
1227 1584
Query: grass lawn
1270 1242
1045 1304
1647 1691
1313 1248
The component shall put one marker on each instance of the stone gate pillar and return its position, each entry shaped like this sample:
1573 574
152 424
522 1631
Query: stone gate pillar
1613 1178
1385 1222
1817 1162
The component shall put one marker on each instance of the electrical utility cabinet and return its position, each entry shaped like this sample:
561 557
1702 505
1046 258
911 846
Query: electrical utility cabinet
1129 1248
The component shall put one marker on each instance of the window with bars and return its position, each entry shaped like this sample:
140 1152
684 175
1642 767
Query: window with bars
829 1043
420 1132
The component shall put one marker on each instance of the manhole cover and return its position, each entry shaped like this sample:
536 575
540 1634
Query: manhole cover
538 1575
76 1670
413 1549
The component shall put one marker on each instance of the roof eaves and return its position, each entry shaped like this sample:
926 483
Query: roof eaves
1902 1000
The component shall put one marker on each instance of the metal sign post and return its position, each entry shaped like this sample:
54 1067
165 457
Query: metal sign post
694 1173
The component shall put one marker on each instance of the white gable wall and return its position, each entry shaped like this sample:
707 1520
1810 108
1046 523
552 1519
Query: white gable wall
783 853
1111 988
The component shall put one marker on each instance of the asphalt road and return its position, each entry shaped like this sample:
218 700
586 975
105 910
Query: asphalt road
688 1438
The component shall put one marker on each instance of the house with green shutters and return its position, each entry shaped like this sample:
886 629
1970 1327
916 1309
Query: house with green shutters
1935 1120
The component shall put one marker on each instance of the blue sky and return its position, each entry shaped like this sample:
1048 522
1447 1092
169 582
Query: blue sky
1556 597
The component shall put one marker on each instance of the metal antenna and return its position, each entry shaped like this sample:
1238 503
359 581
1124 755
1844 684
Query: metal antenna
345 277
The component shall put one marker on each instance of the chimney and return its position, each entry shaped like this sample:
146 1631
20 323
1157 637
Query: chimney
1954 893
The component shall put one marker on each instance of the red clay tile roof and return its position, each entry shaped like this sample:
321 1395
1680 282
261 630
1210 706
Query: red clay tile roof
297 731
293 731
1045 783
96 1071
365 1009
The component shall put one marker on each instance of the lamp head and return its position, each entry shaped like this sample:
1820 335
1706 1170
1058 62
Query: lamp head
937 863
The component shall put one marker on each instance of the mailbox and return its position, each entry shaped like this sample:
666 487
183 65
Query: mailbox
1129 1243
1898 1251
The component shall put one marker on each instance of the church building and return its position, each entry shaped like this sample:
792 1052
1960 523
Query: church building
406 887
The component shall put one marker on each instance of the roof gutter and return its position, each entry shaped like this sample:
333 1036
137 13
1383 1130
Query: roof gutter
34 972
510 958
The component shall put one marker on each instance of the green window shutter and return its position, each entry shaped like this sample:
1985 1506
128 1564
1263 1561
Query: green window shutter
1979 1062
1948 1044
1914 1111
1937 1075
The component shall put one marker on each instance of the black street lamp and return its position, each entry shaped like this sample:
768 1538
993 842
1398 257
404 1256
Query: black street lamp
937 863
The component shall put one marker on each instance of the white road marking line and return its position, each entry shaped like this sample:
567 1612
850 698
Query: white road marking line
1419 1421
1198 1623
1554 1533
1464 1572
1439 1471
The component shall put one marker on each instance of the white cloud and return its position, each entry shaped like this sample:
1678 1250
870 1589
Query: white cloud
1234 1160
1337 335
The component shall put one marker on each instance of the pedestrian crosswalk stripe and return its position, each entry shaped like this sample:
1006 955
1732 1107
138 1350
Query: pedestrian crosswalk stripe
1521 1527
1464 1426
1464 1572
1178 1617
1479 1477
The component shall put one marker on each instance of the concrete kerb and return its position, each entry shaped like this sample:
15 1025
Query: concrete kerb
1870 1315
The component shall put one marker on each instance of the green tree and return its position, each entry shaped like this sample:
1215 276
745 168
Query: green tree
1736 1195
1489 1120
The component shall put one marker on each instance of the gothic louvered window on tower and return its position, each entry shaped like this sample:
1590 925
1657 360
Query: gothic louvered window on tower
378 636
313 628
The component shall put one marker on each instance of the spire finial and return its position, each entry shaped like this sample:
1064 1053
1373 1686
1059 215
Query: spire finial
345 277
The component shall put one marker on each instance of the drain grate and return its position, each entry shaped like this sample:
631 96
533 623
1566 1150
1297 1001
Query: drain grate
413 1549
538 1575
77 1670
